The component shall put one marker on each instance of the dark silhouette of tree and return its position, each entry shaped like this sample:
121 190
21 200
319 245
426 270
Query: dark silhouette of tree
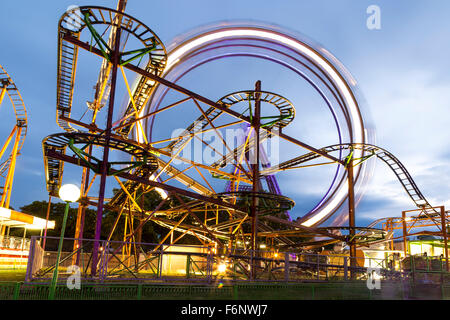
151 232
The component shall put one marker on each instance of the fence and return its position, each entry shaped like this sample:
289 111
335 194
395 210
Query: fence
267 291
121 261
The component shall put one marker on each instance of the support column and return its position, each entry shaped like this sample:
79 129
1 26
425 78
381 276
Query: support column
104 166
6 144
444 236
351 216
138 231
79 227
255 175
46 220
6 197
405 233
2 93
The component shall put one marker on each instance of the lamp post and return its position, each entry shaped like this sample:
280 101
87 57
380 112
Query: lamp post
68 193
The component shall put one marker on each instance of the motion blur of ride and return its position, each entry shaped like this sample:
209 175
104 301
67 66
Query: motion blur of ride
231 207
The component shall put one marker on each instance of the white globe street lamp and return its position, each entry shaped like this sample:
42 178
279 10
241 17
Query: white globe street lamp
68 193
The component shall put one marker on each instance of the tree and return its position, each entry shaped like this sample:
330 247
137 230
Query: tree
151 231
39 209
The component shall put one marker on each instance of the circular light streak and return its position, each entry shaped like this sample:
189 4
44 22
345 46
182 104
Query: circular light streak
339 84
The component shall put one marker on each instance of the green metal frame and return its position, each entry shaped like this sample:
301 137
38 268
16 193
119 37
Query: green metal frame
83 155
107 51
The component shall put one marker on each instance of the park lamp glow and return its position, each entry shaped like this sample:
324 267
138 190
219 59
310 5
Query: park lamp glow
69 193
222 268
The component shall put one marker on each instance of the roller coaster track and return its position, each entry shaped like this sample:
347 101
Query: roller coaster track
17 102
284 106
214 229
144 162
201 123
268 203
171 171
7 84
394 164
220 229
72 23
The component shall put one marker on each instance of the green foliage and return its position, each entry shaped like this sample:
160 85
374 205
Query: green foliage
39 209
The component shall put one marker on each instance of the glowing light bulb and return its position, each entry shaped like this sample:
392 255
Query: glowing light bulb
222 268
69 193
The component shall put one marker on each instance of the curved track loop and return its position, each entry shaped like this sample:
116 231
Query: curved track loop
59 142
370 150
362 234
284 106
220 230
269 203
73 22
19 111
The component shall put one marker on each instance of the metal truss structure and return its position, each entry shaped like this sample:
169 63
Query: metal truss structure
424 217
251 208
8 156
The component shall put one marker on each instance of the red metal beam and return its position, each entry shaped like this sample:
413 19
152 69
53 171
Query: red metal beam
76 161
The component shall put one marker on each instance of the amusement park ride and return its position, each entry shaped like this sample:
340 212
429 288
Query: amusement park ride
17 135
13 251
250 207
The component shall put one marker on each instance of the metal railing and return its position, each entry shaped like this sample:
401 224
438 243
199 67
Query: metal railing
258 291
125 261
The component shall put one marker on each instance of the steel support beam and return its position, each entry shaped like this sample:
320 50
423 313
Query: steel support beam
255 177
351 216
444 236
115 59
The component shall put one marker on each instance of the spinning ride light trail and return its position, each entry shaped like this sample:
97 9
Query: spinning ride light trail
309 61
